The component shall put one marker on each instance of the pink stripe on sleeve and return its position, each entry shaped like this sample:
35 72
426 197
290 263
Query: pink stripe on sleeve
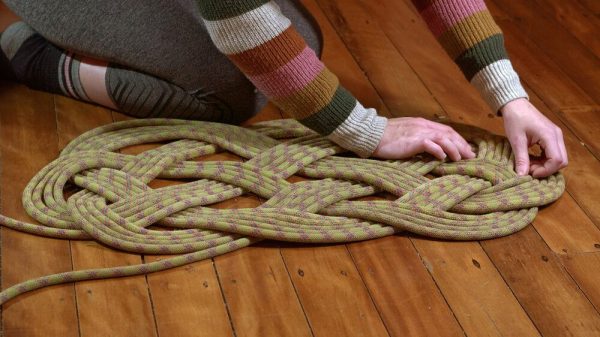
441 15
291 77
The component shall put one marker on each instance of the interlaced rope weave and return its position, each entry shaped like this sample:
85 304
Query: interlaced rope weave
474 199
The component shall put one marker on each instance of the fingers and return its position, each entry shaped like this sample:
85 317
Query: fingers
525 124
554 158
464 148
449 147
521 151
407 136
434 149
451 141
455 150
563 149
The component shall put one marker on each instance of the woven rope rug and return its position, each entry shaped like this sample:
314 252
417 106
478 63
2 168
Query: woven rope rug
474 199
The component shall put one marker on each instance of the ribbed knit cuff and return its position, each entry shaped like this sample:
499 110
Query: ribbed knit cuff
361 132
499 84
13 37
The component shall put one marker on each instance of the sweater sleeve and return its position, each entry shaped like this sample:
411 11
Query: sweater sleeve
468 33
264 45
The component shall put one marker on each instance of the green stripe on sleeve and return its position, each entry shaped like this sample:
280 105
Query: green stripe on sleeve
213 10
481 55
326 120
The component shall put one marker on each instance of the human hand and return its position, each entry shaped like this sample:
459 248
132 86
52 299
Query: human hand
525 126
404 137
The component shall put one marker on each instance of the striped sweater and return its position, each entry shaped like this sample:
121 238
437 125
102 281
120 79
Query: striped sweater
261 41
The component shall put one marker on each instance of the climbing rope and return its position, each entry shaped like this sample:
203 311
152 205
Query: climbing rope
473 199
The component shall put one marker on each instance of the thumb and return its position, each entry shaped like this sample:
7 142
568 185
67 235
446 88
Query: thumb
521 151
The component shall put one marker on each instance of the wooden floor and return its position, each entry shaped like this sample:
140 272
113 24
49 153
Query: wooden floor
542 281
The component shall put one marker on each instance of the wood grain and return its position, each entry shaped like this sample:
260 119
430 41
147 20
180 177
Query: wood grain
579 63
479 297
260 295
332 292
577 19
406 296
26 117
547 292
584 268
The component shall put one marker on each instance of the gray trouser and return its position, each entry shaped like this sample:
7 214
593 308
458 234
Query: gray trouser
163 38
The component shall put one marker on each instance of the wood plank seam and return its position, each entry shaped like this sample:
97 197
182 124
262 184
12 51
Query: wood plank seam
310 327
364 284
149 291
425 265
227 309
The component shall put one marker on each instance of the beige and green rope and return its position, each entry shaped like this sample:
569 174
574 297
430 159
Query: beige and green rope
474 199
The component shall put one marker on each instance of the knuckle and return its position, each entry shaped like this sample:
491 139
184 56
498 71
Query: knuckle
520 161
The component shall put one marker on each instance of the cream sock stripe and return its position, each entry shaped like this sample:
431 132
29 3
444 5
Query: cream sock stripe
67 76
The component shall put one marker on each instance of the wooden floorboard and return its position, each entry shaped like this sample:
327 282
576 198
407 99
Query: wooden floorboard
577 20
571 55
542 281
28 130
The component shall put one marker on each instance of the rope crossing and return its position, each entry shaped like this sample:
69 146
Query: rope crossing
474 199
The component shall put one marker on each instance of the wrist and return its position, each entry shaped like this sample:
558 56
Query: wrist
515 107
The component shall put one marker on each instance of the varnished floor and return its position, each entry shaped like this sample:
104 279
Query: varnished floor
542 281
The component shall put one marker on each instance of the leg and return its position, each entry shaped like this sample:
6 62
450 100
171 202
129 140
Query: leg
43 66
165 39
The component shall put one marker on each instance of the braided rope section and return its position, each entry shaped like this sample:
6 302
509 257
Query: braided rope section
474 199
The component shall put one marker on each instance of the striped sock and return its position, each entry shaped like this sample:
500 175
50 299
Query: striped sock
39 64
42 66
140 95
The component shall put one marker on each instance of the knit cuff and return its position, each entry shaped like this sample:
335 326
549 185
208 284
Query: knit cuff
499 84
13 37
361 132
